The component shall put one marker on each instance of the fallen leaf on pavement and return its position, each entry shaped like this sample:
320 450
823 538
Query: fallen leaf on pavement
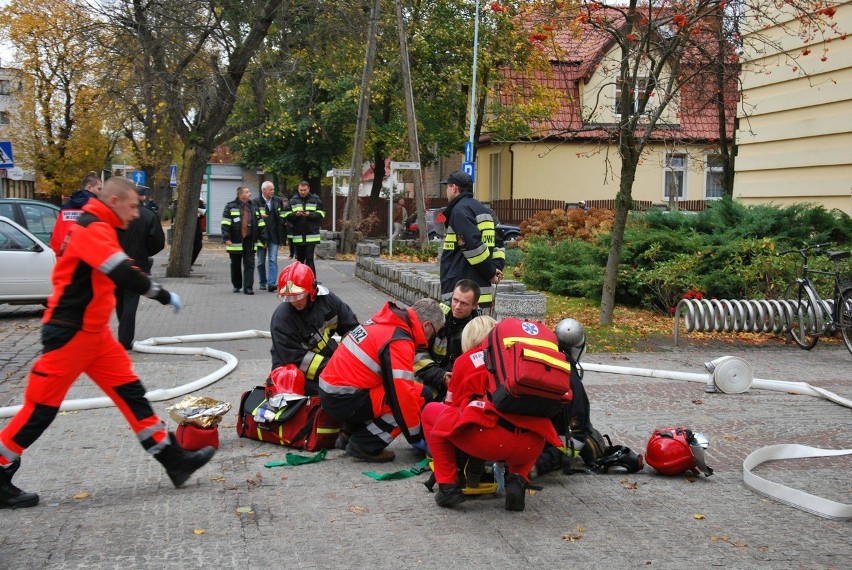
359 510
198 531
698 517
80 496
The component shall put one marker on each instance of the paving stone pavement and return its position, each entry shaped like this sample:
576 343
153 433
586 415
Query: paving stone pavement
105 504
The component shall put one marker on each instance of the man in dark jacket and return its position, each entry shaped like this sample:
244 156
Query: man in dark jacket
305 215
242 234
272 211
141 241
433 366
468 251
303 325
72 209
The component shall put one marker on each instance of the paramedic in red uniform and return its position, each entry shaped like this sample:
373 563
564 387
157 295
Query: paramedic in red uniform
77 338
468 422
72 209
374 355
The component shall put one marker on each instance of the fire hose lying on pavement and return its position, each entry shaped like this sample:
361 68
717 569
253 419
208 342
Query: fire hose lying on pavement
728 374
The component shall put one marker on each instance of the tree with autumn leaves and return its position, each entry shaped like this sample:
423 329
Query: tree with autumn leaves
62 123
664 59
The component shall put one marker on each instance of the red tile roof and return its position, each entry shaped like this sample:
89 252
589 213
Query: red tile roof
579 49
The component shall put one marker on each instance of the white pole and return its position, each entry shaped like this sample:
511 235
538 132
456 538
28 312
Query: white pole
390 212
334 203
473 87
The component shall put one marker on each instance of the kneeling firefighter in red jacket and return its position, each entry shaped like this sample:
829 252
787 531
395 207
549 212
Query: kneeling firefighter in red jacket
467 421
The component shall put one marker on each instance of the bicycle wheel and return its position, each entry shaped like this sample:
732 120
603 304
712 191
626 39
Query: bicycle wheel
844 316
807 318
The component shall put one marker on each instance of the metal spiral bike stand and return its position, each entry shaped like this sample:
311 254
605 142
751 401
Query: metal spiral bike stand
745 315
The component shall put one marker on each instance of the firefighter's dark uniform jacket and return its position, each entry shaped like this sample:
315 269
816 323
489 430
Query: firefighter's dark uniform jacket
431 365
468 247
88 270
305 229
274 230
304 338
383 346
232 226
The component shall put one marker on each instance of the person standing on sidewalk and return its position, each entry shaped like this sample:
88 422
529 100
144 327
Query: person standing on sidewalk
400 214
242 234
141 241
271 209
468 251
72 209
305 215
77 338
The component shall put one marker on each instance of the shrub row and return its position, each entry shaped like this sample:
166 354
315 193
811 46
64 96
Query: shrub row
729 251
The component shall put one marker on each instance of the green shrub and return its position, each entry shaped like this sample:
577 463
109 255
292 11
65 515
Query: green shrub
570 267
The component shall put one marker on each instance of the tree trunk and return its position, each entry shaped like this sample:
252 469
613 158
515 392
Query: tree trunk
623 201
186 213
352 211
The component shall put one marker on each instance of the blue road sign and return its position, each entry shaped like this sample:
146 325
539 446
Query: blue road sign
6 159
139 177
468 151
173 176
468 167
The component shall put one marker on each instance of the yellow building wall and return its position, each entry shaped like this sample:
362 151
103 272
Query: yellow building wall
795 121
572 172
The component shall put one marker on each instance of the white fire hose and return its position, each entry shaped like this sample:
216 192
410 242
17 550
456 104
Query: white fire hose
151 346
733 375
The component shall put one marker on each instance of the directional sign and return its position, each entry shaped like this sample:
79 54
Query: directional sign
341 172
405 165
468 151
15 173
6 160
173 176
139 177
468 167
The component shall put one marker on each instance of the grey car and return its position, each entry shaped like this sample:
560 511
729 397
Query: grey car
36 217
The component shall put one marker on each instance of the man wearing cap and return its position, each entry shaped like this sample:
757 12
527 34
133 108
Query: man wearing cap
469 245
303 325
72 209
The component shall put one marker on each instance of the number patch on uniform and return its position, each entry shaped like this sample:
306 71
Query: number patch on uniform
358 334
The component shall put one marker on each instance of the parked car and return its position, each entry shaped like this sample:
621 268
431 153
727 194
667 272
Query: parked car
27 263
435 227
37 217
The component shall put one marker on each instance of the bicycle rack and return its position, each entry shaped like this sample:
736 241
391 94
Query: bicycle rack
743 315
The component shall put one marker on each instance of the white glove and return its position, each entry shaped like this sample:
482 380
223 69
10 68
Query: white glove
174 301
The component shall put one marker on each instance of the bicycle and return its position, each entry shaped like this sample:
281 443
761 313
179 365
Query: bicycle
808 315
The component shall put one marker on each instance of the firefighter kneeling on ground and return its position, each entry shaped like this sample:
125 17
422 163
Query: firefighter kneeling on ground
368 384
303 325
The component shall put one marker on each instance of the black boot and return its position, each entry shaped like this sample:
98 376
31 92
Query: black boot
516 489
449 495
180 464
10 496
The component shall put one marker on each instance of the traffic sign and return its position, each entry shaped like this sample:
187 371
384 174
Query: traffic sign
139 177
173 176
468 151
468 167
6 159
15 173
405 165
341 172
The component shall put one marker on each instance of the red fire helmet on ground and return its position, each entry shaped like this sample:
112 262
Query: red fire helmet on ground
672 451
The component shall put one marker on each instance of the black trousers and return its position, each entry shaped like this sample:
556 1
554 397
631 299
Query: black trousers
126 304
355 412
242 266
305 254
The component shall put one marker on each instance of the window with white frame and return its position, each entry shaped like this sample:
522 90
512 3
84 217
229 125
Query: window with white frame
713 189
637 95
674 183
494 176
